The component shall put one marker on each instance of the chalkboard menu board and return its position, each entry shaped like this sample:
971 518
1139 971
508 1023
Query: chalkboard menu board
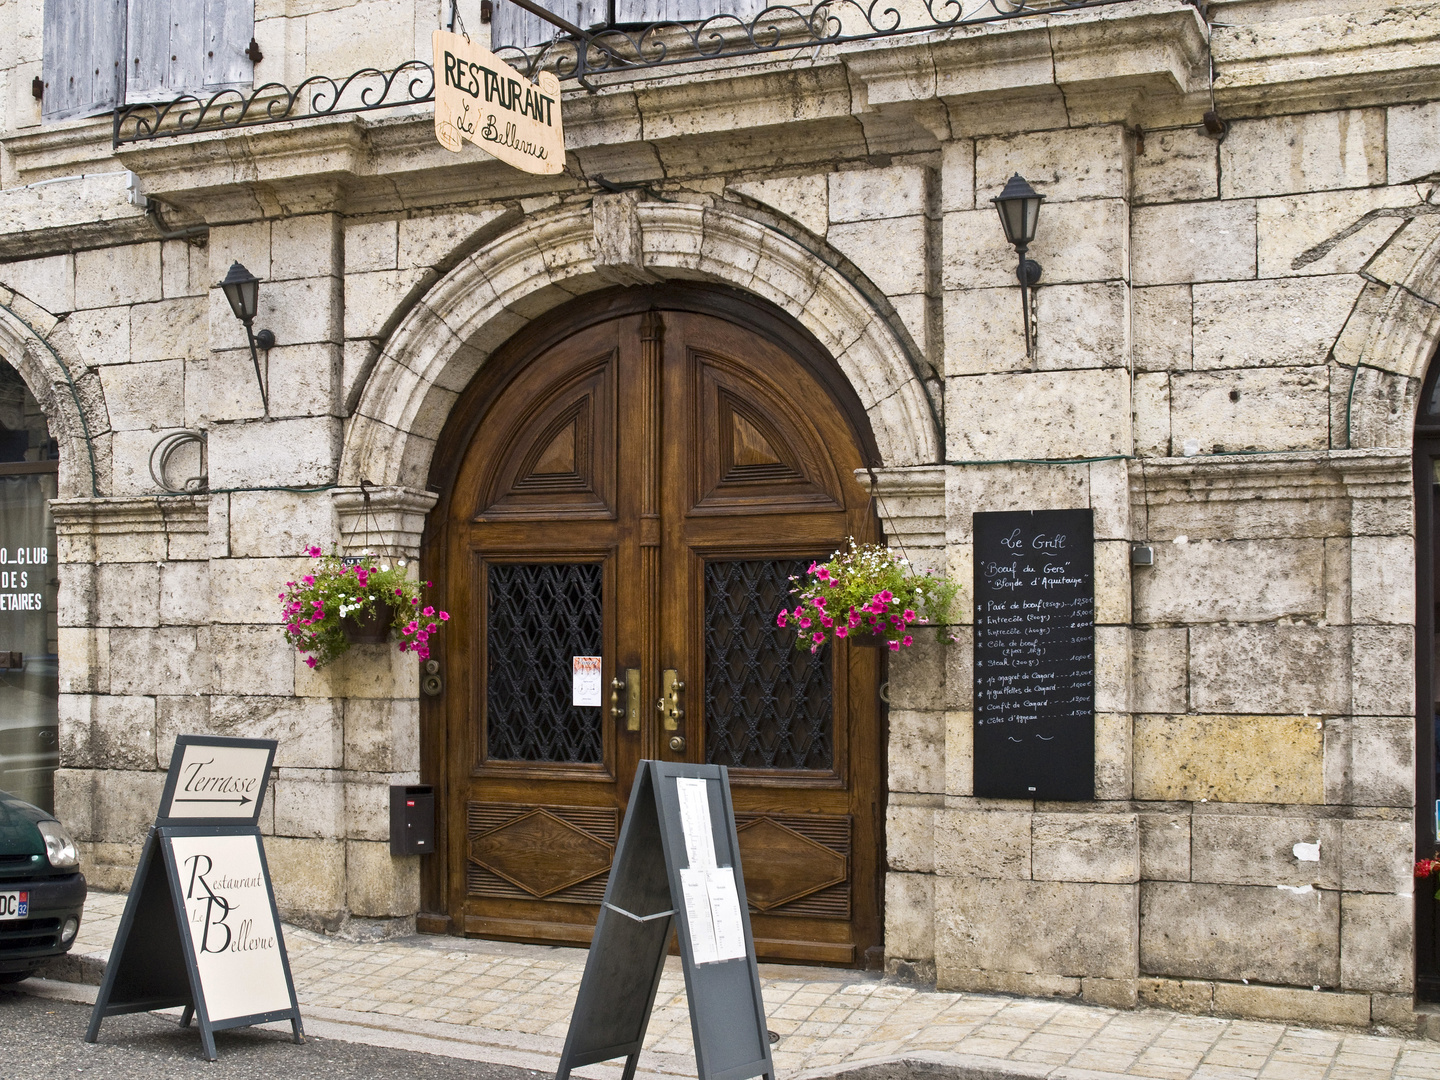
1035 655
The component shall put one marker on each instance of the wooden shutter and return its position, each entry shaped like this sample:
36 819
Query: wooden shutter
84 45
188 47
513 25
691 11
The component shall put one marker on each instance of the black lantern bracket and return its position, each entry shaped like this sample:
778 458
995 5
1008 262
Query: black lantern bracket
1019 208
242 290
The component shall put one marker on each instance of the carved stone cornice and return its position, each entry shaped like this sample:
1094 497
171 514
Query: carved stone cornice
392 521
1370 56
1302 474
678 121
133 529
910 502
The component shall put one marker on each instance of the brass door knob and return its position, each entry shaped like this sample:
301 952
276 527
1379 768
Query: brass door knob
677 743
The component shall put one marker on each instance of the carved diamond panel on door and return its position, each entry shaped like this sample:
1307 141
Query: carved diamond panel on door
796 865
557 853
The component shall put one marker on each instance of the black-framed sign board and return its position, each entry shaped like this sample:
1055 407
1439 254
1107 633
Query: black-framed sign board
1035 655
677 865
200 929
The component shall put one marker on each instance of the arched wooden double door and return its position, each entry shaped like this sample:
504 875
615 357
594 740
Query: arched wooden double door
637 482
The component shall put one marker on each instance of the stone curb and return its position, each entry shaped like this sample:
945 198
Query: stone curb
934 1066
85 968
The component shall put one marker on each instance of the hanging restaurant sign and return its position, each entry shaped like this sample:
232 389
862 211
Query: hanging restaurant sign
481 98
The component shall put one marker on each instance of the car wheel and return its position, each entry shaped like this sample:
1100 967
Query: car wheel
7 977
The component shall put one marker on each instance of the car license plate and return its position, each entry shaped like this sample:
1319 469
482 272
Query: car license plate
14 905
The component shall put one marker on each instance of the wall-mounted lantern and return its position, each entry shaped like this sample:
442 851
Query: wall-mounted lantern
1019 207
242 289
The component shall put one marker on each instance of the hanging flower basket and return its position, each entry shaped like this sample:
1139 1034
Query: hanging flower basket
369 627
857 640
338 605
870 597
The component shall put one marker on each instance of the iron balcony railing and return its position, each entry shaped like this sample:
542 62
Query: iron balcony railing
581 57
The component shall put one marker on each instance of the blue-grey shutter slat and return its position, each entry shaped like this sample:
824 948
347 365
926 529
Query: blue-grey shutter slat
188 47
84 44
513 25
147 67
229 26
687 11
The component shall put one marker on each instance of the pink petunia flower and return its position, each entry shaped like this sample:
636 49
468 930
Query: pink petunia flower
894 646
780 619
841 631
310 660
906 640
444 616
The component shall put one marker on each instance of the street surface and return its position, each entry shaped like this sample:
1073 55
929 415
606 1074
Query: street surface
42 1038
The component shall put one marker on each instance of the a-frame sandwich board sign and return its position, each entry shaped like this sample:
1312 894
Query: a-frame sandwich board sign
200 929
677 864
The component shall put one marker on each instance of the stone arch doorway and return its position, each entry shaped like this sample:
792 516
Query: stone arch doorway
634 477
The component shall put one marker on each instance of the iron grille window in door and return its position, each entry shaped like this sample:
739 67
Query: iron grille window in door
768 705
539 616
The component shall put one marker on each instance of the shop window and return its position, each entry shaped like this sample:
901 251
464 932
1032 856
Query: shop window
1427 665
29 669
514 26
98 53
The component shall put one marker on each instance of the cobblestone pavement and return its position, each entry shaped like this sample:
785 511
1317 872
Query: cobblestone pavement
510 1004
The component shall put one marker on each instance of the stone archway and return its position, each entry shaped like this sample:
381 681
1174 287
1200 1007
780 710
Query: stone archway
52 382
1389 342
619 239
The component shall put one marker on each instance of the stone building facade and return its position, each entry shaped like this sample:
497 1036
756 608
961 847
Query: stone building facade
1233 329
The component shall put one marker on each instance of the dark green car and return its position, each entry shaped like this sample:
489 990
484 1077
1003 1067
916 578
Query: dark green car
42 891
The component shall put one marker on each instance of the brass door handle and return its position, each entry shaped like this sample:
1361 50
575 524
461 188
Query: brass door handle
627 689
669 705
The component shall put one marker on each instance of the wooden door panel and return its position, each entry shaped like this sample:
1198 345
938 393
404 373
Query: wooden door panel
559 460
693 465
765 484
756 454
530 851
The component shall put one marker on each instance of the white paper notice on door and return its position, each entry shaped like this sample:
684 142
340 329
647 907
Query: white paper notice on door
712 911
694 799
585 671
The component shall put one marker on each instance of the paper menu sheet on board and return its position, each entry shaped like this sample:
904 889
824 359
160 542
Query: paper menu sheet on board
712 909
694 799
